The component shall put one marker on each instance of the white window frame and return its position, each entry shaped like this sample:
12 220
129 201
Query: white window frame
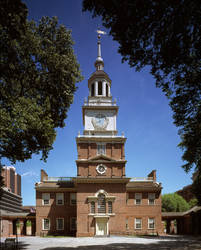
71 203
57 224
127 226
58 196
151 196
138 223
110 202
154 223
138 196
101 149
45 196
43 222
71 219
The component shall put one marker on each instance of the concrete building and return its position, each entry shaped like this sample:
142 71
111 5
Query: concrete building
12 216
101 200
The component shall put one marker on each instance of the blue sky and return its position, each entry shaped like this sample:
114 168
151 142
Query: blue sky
144 115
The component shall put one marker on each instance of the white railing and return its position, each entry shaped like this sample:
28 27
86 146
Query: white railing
141 179
55 179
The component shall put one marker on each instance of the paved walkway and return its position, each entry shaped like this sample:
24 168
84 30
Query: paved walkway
111 243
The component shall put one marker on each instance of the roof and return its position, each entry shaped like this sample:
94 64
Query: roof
7 214
99 74
181 214
144 185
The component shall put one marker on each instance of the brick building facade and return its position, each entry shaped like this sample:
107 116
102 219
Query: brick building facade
101 200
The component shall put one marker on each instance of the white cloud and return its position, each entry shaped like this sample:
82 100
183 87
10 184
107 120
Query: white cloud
29 174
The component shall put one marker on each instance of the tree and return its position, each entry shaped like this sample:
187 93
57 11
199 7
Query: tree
39 72
174 203
196 188
193 202
166 36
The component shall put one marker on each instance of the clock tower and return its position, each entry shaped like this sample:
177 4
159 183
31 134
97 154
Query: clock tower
100 148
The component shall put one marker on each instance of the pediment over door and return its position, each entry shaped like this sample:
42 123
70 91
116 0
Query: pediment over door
101 158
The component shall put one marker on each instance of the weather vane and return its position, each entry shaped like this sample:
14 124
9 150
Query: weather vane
100 32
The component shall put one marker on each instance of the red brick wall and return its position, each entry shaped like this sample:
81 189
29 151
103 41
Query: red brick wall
113 169
86 224
123 211
53 211
143 211
88 150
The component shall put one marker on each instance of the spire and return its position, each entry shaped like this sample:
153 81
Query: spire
99 64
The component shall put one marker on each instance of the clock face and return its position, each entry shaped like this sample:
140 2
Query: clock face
100 121
101 169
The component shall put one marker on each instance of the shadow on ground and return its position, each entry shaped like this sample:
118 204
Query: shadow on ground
161 245
19 246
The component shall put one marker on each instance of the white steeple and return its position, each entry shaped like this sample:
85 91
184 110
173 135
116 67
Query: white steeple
99 64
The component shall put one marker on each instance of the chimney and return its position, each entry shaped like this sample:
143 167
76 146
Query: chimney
43 175
153 175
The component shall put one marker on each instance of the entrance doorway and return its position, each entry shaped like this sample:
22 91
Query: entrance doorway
101 226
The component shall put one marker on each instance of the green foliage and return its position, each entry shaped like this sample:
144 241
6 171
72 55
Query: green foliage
196 188
39 72
18 224
174 203
166 36
28 223
193 202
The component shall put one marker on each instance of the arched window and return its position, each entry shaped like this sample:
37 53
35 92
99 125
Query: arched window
106 90
92 89
100 90
101 203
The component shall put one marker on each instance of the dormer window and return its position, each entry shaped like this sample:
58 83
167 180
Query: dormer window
100 88
92 89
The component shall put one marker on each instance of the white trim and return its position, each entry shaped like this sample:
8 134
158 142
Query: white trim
45 196
138 228
154 221
101 171
44 224
57 199
58 223
151 196
73 204
138 196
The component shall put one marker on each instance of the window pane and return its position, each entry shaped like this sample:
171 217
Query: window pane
93 207
151 198
151 222
60 224
46 224
127 224
109 207
138 198
46 198
73 198
73 224
101 203
138 223
101 149
60 198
